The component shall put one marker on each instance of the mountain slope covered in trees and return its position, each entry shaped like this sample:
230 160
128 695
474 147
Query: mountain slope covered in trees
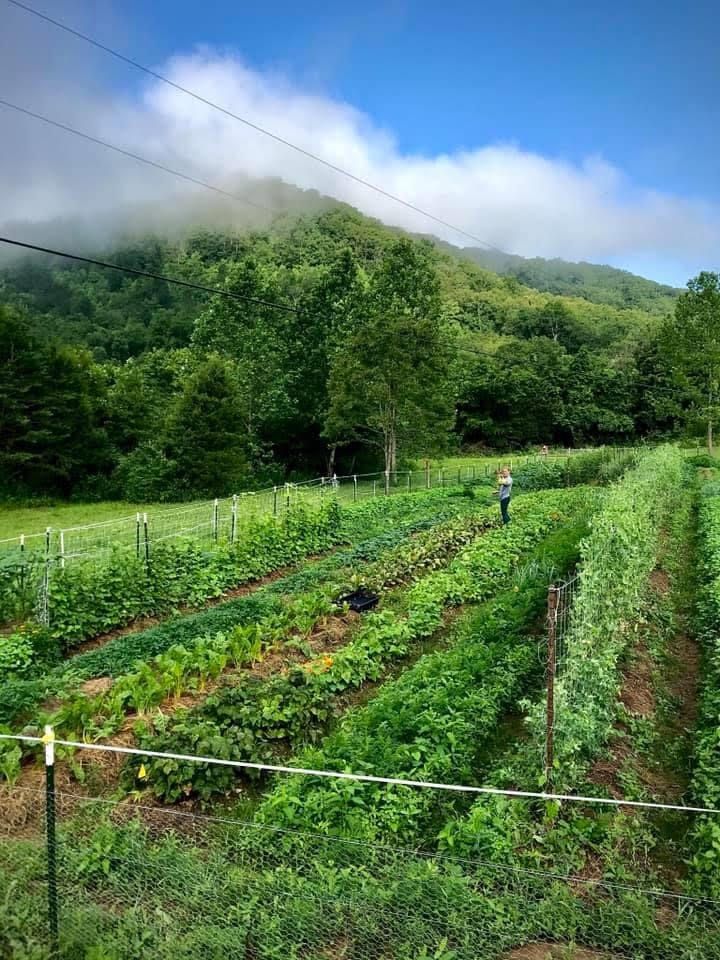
394 347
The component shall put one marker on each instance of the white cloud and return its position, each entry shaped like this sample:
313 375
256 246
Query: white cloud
516 200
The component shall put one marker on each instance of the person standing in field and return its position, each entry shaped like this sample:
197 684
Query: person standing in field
504 490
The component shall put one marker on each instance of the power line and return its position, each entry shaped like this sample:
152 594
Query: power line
249 123
217 291
133 156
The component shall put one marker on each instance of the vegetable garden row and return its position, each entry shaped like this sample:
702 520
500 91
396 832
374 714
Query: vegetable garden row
442 683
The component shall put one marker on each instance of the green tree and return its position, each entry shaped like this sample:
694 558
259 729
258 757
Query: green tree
206 434
389 383
692 340
50 401
256 338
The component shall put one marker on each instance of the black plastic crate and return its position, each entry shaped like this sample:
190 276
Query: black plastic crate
360 600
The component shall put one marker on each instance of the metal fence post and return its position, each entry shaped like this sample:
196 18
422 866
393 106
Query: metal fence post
137 535
215 517
62 549
274 501
427 474
22 564
233 518
45 602
354 488
374 488
51 841
147 541
552 612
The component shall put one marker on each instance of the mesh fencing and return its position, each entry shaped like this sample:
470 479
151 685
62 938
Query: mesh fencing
28 562
136 880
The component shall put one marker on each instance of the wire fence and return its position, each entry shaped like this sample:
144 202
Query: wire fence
560 604
224 518
28 562
102 879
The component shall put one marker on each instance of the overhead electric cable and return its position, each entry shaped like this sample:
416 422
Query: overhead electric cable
249 123
218 291
133 156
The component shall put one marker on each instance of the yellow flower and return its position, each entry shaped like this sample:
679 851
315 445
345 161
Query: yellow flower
328 661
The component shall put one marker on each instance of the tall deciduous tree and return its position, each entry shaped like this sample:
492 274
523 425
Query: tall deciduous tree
255 336
692 340
389 383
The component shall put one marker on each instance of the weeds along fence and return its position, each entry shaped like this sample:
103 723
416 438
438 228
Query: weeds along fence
90 879
29 561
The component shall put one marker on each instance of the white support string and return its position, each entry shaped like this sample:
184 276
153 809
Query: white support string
369 778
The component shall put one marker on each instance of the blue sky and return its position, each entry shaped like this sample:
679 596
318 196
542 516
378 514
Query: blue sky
637 82
579 130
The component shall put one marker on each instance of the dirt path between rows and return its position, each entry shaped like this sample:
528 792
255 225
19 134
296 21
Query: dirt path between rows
643 680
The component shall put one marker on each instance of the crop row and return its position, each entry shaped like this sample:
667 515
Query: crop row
253 719
30 662
617 559
618 556
705 864
27 681
189 668
434 722
603 466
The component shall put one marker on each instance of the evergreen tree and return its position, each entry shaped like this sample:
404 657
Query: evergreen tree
206 434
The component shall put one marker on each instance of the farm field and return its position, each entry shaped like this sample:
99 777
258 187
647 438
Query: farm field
30 520
443 683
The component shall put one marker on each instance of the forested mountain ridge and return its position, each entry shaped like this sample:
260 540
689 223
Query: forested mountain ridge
117 385
595 282
119 317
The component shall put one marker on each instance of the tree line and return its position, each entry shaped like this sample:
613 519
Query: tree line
118 386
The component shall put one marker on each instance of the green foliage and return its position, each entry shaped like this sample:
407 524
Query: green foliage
251 719
50 398
301 389
383 523
87 598
602 465
596 283
432 723
705 864
692 343
389 382
207 435
702 460
617 558
26 649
